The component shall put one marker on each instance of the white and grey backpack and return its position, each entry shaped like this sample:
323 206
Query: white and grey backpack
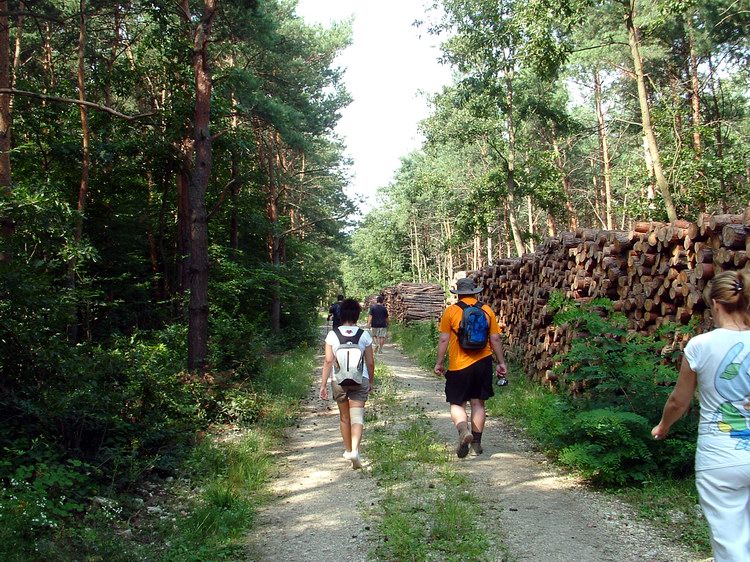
349 363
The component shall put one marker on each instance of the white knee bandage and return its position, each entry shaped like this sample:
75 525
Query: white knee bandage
356 415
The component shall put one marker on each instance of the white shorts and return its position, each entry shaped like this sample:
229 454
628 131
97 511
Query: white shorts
725 498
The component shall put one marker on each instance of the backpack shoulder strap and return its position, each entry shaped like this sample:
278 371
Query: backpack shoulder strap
357 335
462 305
342 338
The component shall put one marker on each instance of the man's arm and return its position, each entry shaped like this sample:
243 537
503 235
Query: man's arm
369 320
442 348
496 343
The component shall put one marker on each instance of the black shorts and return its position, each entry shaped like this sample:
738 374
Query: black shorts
475 381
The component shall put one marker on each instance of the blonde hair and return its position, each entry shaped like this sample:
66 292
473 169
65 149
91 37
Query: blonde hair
732 290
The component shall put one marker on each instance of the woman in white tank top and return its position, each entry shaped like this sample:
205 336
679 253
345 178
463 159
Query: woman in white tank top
717 363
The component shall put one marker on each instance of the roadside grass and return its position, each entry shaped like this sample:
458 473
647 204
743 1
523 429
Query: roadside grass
671 505
427 511
418 340
205 510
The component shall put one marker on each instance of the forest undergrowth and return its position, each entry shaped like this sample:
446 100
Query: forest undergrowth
200 510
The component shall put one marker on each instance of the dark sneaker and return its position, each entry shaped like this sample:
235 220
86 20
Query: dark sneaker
477 448
464 440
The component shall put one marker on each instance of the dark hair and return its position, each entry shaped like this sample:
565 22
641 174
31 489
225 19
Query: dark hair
339 297
732 290
350 311
379 299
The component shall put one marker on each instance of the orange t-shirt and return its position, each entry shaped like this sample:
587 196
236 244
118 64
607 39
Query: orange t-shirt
459 358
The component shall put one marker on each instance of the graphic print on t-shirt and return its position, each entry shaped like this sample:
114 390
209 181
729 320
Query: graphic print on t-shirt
732 382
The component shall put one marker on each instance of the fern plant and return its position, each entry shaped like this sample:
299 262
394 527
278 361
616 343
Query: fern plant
615 366
609 447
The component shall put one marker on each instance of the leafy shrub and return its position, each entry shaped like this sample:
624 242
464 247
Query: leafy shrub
609 447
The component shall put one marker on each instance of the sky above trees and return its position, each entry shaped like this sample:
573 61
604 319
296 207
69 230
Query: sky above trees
388 65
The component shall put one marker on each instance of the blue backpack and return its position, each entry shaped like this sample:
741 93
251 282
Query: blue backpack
474 329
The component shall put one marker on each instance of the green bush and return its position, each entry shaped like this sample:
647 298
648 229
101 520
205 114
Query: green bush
609 447
623 372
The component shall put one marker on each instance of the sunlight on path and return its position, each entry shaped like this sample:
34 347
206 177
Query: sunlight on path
315 515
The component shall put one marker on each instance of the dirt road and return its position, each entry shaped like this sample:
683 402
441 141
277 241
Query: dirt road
540 513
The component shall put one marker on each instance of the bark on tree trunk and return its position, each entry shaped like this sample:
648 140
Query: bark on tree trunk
6 224
201 173
83 187
648 131
604 147
695 101
5 99
567 185
511 181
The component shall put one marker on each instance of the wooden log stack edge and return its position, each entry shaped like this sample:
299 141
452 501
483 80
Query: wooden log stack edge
410 302
653 274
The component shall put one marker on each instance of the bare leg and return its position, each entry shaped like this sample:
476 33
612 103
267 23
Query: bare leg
345 425
458 414
478 415
356 429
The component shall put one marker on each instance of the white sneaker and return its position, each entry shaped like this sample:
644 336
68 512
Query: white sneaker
356 461
347 455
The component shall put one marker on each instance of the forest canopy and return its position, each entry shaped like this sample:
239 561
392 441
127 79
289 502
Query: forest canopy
564 114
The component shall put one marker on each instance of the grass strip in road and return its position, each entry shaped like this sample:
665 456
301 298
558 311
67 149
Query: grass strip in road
428 511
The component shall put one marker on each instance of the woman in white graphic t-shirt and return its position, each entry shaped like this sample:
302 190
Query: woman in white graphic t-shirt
718 364
350 398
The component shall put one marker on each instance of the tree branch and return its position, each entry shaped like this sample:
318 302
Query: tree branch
92 105
223 196
311 223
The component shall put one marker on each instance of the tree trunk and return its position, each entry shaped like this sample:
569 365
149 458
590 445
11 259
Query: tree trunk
6 224
511 180
567 185
715 92
695 101
604 147
648 131
530 214
5 99
183 229
201 173
83 187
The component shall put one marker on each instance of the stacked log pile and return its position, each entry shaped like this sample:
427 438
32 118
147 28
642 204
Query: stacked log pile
654 274
409 302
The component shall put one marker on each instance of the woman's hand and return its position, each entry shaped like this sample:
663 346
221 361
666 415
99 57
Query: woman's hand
324 391
659 432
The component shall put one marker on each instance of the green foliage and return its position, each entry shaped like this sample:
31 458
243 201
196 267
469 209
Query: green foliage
613 365
609 447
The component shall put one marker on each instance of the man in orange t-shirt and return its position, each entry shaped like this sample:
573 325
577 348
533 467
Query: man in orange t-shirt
469 375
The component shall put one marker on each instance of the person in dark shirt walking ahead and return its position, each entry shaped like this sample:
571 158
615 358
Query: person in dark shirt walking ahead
377 321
